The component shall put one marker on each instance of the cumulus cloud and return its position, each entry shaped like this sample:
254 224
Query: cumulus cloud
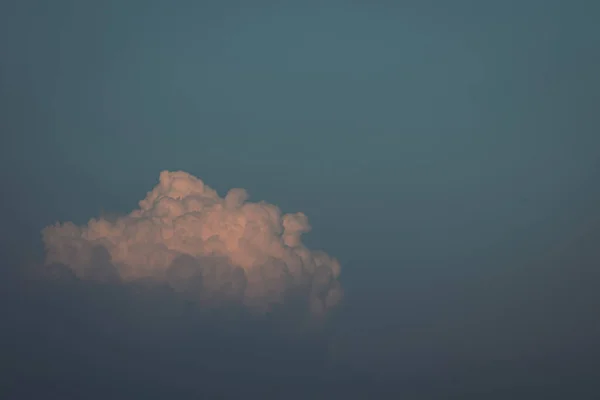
218 250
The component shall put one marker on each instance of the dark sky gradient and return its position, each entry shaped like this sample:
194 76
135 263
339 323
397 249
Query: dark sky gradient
447 152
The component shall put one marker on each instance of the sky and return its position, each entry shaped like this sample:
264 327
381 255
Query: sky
445 154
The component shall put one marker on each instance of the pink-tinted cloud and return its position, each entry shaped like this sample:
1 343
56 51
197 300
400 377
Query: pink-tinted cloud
216 248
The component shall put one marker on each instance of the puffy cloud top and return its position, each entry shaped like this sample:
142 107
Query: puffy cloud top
218 249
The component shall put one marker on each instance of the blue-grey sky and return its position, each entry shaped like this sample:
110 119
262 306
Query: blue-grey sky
447 153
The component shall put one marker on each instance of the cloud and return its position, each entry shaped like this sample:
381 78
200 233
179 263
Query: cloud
218 250
189 295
